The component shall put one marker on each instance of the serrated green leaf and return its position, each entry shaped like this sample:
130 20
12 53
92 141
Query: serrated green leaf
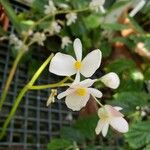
139 134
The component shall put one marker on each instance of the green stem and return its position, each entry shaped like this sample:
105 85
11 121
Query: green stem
10 77
22 93
98 101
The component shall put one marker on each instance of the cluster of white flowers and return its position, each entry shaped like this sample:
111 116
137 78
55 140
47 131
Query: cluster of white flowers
50 8
39 38
65 41
79 92
97 5
71 18
17 43
53 29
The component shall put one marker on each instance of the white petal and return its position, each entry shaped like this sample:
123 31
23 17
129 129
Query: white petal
119 124
105 129
78 49
62 64
99 126
65 93
75 102
91 63
111 80
86 83
118 108
77 79
95 92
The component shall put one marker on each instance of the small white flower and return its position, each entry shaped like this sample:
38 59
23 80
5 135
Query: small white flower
71 18
97 5
39 38
50 8
137 8
111 116
17 43
65 65
54 28
65 41
78 94
111 80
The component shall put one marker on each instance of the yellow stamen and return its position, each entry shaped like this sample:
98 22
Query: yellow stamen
81 91
77 65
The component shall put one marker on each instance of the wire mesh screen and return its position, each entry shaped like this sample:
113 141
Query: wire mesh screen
34 124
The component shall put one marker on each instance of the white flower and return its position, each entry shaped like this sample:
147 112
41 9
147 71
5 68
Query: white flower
17 43
50 8
78 94
39 38
111 80
54 28
65 41
66 65
111 116
97 5
71 18
137 8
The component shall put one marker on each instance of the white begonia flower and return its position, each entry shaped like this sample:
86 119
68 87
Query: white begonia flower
97 5
137 8
54 28
50 8
65 41
111 116
39 38
78 94
71 18
17 43
65 65
111 80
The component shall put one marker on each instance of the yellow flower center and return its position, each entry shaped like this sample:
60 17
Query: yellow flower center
77 65
81 91
103 114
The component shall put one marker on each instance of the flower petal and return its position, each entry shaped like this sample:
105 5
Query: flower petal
65 93
86 83
99 126
77 79
78 49
95 92
118 108
62 64
111 80
91 63
105 129
119 124
75 102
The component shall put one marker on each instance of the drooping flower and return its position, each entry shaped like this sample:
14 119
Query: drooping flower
53 29
51 98
137 8
111 80
50 8
66 65
78 94
65 41
97 5
111 116
71 18
39 38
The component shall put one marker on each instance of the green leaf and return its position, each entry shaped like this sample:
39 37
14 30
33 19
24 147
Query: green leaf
113 26
147 147
106 49
72 134
120 65
11 14
130 100
86 126
92 21
147 74
59 144
139 134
